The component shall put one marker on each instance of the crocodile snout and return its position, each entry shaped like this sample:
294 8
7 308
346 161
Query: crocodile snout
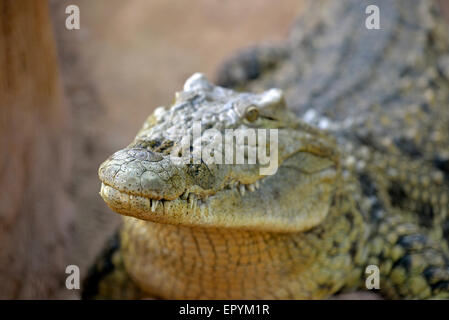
142 172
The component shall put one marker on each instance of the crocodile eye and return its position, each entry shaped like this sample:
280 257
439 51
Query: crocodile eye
251 113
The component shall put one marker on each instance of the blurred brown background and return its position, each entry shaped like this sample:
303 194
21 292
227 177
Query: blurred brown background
68 102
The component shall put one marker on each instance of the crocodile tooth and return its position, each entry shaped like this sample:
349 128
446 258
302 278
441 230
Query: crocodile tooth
242 190
192 200
147 203
154 205
124 197
257 184
203 209
185 195
251 188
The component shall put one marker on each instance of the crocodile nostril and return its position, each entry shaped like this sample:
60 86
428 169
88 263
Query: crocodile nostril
141 155
145 155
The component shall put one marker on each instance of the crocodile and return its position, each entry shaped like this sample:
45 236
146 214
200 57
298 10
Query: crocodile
362 177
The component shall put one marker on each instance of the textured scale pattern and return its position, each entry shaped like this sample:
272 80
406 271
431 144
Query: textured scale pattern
383 98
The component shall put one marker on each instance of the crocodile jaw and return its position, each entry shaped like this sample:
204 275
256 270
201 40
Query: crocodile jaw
286 202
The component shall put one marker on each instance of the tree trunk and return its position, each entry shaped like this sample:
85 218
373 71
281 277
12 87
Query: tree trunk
35 212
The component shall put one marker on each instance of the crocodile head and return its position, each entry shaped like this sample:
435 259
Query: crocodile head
163 176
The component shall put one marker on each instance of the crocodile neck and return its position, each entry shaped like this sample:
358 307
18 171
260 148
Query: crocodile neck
209 263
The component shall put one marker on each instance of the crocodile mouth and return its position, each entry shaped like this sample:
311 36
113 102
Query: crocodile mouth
189 204
284 202
292 200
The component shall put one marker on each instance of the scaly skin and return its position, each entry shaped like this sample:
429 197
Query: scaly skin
362 178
